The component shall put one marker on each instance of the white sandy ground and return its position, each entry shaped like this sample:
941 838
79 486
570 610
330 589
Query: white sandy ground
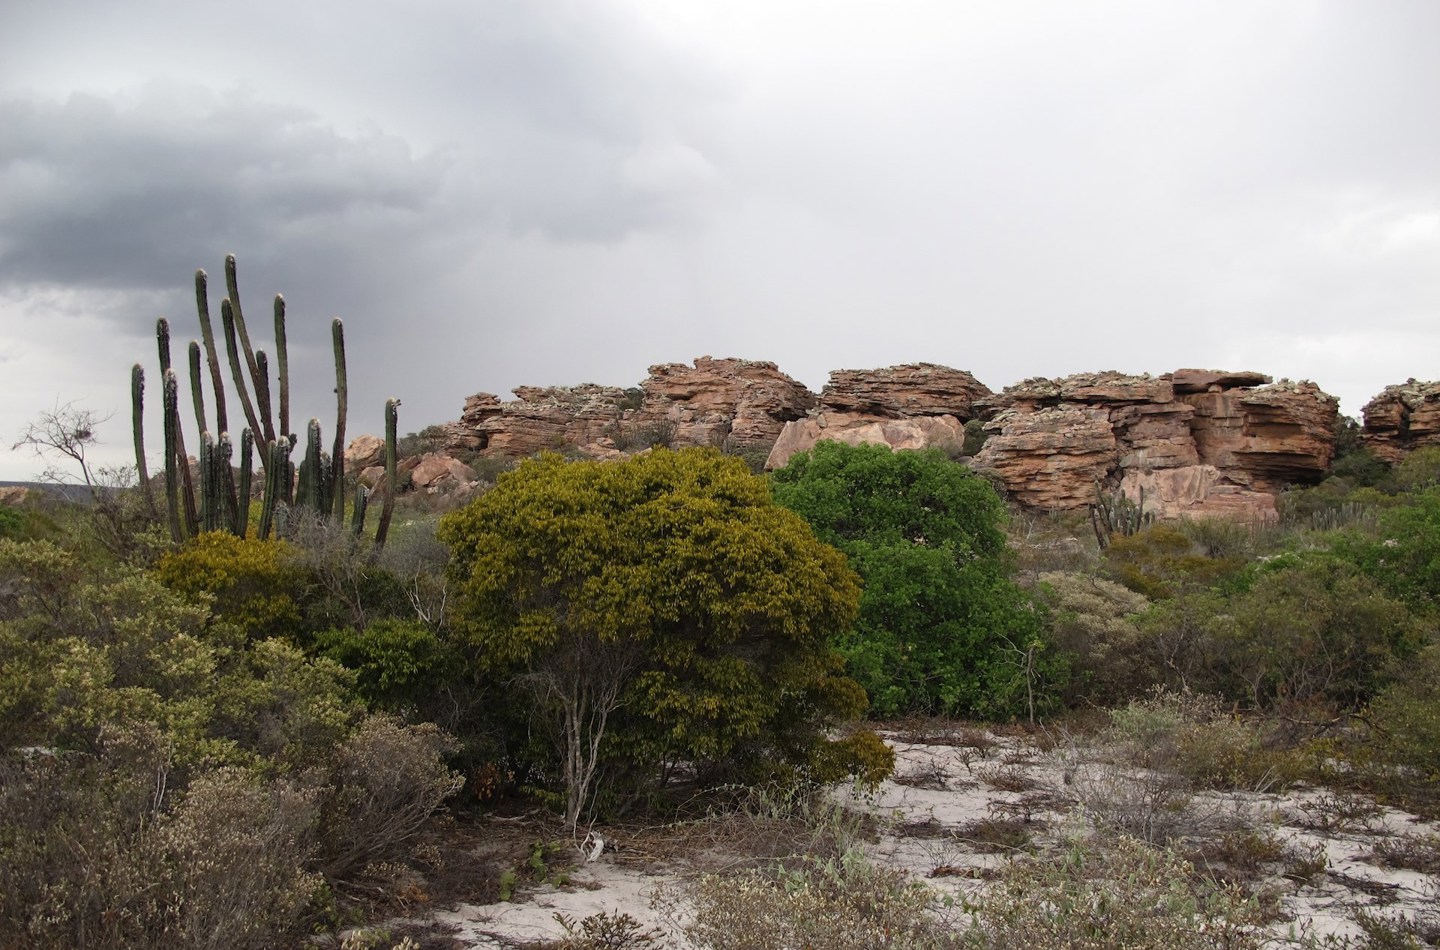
951 787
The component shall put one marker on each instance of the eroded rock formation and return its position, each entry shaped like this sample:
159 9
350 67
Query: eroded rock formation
1402 418
905 407
1198 442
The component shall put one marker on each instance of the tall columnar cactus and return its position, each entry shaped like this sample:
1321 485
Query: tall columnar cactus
170 399
282 365
137 422
176 445
392 407
212 355
227 323
242 495
197 395
224 504
209 483
337 455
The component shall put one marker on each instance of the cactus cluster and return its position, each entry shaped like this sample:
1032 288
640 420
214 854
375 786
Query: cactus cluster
224 500
1114 513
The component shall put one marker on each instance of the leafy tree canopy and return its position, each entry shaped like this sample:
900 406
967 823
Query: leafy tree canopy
942 628
669 589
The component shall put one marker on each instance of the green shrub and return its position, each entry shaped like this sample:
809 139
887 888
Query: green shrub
942 626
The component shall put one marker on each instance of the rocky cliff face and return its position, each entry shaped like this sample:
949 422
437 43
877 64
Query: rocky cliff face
721 402
1401 419
1197 442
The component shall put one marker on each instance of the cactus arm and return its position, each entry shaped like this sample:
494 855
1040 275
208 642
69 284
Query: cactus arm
357 516
212 356
388 509
209 483
242 493
282 365
170 398
337 455
232 289
227 322
137 413
197 395
262 391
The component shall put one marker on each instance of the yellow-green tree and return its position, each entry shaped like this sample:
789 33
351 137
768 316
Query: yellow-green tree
657 610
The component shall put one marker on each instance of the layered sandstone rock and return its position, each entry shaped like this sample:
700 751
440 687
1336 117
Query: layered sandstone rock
911 406
899 392
1196 442
721 401
540 419
718 402
1401 419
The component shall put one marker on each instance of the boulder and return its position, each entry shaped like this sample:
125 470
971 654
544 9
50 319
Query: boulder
435 472
363 452
1214 380
853 428
1402 418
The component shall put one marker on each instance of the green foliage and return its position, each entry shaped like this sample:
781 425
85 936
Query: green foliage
1419 470
942 628
669 585
1093 624
255 584
1162 560
12 523
1401 751
1313 628
397 662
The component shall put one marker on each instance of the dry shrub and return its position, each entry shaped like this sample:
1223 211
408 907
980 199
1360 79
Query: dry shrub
1154 807
387 781
1126 897
91 854
841 904
238 847
1413 852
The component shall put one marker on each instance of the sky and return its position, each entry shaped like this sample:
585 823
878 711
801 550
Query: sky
494 193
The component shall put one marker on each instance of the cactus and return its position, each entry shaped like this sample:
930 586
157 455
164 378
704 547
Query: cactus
1113 514
223 503
227 323
137 413
337 455
242 495
362 502
209 483
170 399
282 365
391 422
197 396
212 356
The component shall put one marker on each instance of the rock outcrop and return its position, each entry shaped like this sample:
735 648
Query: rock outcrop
1198 442
905 407
1401 419
714 402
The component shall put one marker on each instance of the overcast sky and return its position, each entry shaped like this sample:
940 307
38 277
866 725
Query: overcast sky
493 194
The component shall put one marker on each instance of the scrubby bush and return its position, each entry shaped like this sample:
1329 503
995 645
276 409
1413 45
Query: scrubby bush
1125 897
1163 561
658 610
256 585
844 904
1093 624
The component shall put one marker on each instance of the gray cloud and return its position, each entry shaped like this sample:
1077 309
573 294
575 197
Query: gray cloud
545 192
